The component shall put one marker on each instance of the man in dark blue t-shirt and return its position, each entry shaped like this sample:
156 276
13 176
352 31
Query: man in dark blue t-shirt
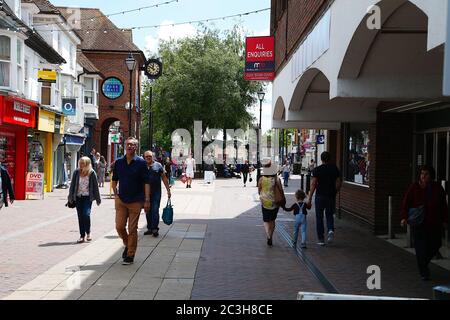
327 182
131 173
156 173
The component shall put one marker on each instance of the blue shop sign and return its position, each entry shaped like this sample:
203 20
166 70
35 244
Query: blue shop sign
74 140
321 139
112 88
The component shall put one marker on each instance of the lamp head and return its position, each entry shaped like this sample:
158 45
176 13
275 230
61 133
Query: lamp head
130 62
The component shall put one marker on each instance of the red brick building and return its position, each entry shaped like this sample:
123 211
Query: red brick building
371 73
107 47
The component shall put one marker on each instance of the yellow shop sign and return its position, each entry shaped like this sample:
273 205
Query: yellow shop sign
47 76
46 121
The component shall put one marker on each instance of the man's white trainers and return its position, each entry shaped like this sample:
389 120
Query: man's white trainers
330 238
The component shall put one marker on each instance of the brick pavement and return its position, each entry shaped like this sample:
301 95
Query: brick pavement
234 263
35 235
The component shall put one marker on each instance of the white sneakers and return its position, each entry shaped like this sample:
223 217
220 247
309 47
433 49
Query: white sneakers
330 238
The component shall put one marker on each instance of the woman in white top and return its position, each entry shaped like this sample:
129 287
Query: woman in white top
190 169
83 191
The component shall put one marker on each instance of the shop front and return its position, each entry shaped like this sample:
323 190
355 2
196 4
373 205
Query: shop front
16 117
48 135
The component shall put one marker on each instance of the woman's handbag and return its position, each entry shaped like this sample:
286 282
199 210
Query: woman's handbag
183 178
416 216
280 199
167 215
71 204
172 181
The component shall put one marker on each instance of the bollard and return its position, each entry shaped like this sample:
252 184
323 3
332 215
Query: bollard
308 183
302 181
390 226
441 293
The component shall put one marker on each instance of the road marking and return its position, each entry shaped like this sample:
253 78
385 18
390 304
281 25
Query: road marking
329 287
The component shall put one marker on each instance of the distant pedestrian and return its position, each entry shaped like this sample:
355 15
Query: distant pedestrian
245 172
168 168
300 213
131 174
327 181
209 169
269 186
83 191
6 188
286 171
156 174
311 166
429 197
101 171
190 170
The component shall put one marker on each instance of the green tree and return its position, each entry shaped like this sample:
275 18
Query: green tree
203 80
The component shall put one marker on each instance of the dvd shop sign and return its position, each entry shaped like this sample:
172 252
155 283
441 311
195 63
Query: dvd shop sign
35 185
260 59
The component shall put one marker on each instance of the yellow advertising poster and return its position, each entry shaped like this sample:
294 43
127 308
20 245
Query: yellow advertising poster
46 121
47 76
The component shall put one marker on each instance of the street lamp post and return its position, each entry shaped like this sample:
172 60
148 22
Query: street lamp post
131 64
150 120
261 96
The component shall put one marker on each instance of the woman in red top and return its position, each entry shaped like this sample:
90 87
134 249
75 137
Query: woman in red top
428 235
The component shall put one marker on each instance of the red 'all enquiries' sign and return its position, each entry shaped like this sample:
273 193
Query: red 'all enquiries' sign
260 59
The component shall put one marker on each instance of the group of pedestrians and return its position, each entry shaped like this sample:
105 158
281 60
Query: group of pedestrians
326 182
136 184
99 165
424 208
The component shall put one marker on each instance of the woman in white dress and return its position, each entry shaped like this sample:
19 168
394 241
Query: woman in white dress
190 169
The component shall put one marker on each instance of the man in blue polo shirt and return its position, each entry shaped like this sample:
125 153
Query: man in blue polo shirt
131 173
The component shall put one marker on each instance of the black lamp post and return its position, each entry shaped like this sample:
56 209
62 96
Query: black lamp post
131 64
261 96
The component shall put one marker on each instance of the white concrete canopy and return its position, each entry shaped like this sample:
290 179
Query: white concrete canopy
402 61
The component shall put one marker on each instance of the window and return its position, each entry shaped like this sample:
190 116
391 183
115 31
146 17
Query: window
27 75
46 93
357 154
19 67
72 57
5 61
89 91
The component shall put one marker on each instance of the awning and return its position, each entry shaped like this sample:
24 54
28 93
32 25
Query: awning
74 140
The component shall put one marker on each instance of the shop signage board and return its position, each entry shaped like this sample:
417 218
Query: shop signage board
35 185
19 113
112 88
69 107
260 59
321 139
47 76
46 121
115 138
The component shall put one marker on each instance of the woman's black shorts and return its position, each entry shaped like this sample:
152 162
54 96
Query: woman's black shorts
270 215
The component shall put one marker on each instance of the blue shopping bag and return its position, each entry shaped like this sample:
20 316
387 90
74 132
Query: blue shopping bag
168 213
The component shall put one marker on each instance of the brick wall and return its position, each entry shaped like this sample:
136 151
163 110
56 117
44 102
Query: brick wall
113 65
394 165
290 27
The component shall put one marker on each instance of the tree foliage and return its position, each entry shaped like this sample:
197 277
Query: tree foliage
203 80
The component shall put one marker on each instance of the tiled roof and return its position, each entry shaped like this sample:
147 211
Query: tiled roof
44 6
87 65
94 35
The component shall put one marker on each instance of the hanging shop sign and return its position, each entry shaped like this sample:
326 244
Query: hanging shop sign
47 76
35 185
260 59
19 112
69 107
112 88
114 138
321 139
59 124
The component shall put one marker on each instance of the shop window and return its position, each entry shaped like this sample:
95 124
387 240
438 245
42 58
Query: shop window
46 94
357 154
5 61
89 90
8 153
